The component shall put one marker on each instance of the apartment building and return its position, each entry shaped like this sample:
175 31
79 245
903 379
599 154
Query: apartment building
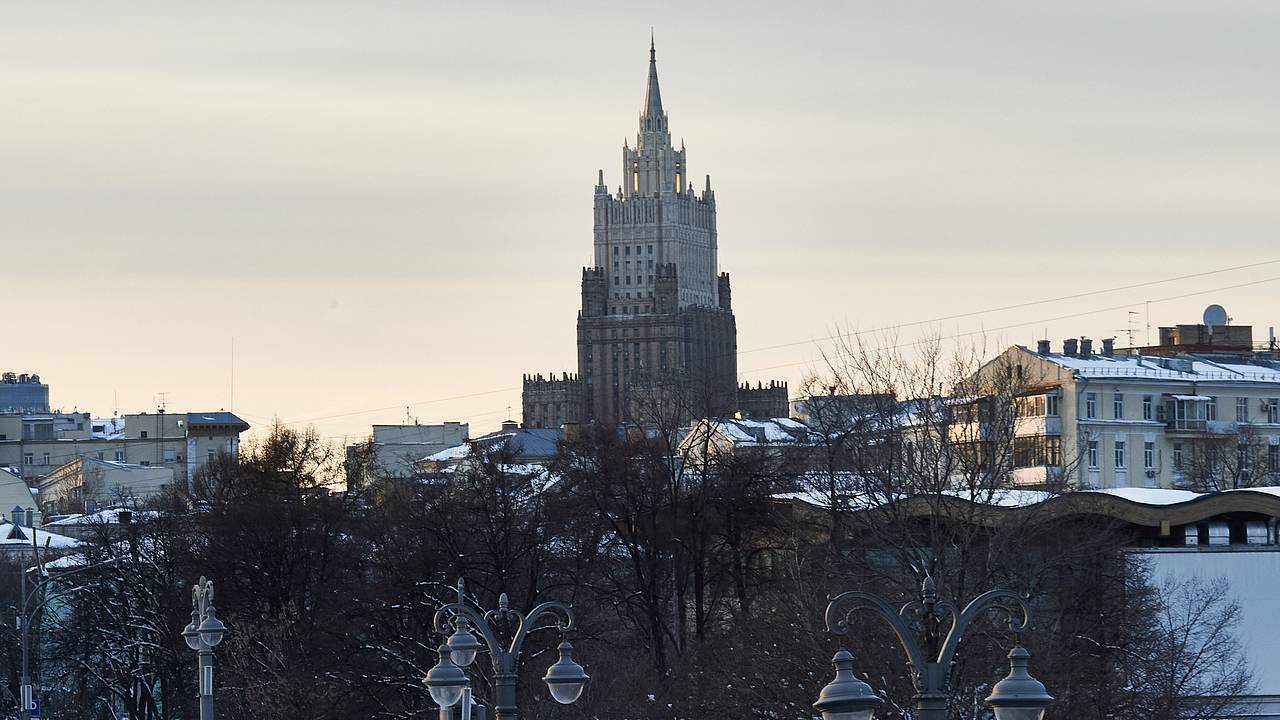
1157 417
36 444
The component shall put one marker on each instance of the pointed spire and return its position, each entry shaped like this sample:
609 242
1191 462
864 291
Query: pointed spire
652 96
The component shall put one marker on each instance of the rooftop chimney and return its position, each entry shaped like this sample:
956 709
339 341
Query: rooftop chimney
1086 347
1108 346
1042 347
510 425
1069 346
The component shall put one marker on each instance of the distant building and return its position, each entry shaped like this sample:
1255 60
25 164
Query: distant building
393 449
85 484
1154 417
512 445
18 497
38 443
763 401
656 336
550 402
23 393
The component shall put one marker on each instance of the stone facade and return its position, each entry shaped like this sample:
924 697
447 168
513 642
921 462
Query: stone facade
550 402
657 339
763 402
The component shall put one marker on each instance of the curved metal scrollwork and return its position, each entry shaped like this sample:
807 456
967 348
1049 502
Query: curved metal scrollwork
932 614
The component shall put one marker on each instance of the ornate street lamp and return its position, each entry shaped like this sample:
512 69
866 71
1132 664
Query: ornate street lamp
1017 697
202 634
565 678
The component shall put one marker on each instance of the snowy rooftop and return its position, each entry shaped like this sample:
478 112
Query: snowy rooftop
775 431
101 517
107 428
1191 368
12 536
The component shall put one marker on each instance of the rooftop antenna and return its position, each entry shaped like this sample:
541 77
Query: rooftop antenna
231 399
1129 331
160 400
1147 342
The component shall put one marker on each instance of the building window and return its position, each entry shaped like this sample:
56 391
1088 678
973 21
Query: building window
1120 454
1273 458
627 250
1092 454
170 455
99 456
1242 410
1149 455
1051 405
1148 405
212 455
615 266
615 251
119 456
46 458
146 463
1211 409
1177 457
1273 410
1091 405
650 252
28 459
143 434
650 263
1242 457
1117 405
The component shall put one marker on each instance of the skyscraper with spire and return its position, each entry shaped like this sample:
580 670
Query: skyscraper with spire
656 333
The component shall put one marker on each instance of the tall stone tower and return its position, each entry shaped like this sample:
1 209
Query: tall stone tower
656 332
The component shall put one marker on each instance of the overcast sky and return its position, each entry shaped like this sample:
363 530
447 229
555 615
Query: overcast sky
387 203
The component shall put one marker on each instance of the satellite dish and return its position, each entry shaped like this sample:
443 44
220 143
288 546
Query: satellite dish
1215 316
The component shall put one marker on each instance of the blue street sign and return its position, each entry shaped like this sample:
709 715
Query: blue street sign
35 708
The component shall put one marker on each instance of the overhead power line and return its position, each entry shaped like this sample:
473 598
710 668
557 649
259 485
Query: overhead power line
885 328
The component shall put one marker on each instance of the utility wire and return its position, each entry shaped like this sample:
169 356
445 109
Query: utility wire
916 323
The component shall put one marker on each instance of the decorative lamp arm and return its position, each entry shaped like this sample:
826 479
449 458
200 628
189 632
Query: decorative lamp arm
477 621
547 608
990 600
843 605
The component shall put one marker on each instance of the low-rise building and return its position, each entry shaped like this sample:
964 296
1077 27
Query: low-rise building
85 484
39 443
1156 417
393 450
17 497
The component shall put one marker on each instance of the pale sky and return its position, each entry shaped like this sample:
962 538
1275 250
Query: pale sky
388 203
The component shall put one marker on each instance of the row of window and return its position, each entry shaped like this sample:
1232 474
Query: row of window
1150 455
627 280
627 250
169 454
617 265
1270 407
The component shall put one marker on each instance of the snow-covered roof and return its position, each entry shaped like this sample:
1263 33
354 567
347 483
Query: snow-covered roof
106 428
1191 368
775 431
1149 496
20 536
109 517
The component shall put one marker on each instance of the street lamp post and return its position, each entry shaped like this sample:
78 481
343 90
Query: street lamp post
202 634
448 679
1017 697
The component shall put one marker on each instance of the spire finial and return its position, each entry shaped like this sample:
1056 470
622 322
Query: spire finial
652 117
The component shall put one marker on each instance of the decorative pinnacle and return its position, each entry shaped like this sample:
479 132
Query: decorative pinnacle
653 54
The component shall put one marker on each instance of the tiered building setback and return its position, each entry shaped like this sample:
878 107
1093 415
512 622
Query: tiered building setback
656 333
